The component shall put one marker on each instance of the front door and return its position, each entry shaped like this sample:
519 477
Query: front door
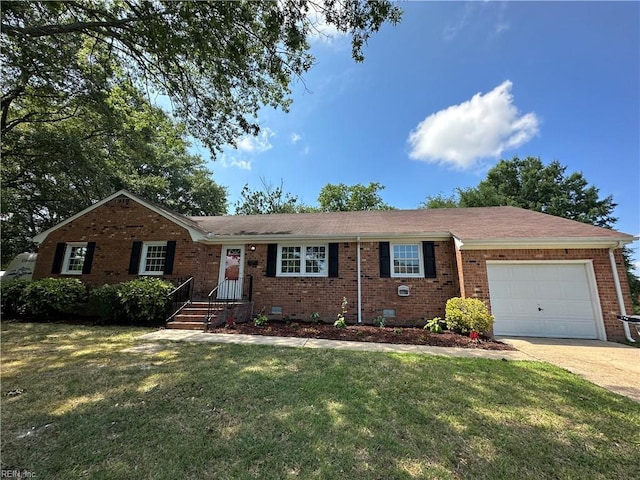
231 273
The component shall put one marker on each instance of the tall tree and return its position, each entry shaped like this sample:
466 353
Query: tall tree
343 198
78 79
218 62
268 200
528 183
50 171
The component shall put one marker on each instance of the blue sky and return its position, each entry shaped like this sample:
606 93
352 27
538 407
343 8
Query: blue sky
449 91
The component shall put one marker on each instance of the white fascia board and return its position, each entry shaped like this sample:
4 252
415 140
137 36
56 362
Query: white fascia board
542 243
39 238
284 238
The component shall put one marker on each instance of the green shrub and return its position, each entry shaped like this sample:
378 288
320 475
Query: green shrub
12 304
105 302
260 320
434 325
341 322
466 314
379 322
144 300
50 297
315 317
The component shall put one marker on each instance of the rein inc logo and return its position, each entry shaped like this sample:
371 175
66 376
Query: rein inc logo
17 474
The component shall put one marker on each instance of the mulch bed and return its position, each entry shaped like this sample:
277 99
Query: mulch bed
365 333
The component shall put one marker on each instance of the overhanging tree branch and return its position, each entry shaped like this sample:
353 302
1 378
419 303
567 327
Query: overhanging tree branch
78 27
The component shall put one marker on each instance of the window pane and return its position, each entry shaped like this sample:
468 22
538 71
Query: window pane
156 255
315 259
406 260
290 261
76 258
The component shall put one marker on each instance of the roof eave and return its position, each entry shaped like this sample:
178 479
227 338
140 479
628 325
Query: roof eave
543 243
294 237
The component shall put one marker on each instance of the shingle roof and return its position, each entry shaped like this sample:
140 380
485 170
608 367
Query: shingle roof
467 224
501 225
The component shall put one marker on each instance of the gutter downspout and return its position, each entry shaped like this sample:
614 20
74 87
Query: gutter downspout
360 284
616 281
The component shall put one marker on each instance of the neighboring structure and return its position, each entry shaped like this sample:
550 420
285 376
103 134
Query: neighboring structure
541 275
21 267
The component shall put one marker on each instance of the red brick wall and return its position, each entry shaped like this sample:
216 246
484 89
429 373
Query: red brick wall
114 227
473 263
299 297
428 295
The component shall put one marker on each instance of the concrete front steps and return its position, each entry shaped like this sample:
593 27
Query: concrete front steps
193 315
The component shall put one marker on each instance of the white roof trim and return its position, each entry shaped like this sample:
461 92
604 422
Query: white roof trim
195 234
542 243
280 238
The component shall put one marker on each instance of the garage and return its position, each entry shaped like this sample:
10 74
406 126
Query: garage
544 299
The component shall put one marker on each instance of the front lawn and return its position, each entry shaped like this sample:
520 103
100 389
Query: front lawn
93 402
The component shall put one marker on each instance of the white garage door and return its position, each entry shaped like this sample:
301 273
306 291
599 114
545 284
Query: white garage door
542 300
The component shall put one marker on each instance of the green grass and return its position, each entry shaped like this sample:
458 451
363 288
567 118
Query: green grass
93 405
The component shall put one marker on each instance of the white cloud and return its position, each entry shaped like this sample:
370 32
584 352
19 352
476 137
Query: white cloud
295 138
451 30
478 18
247 149
256 144
320 29
483 127
227 161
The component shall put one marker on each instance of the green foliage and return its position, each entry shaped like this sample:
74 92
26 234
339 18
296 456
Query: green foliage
467 314
528 183
440 201
315 317
12 303
632 279
50 297
105 302
341 322
266 201
269 410
51 171
434 325
218 62
260 320
380 321
144 300
343 198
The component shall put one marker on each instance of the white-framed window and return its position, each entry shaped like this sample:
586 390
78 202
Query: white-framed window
406 260
303 260
153 258
74 256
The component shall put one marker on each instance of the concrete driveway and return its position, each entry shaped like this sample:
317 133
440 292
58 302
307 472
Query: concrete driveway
613 366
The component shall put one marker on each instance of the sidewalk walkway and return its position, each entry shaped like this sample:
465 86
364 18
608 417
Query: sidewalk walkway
191 336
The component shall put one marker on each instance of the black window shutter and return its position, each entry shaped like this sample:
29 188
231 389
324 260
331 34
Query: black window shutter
272 259
170 257
134 262
333 259
58 257
88 257
429 257
385 260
